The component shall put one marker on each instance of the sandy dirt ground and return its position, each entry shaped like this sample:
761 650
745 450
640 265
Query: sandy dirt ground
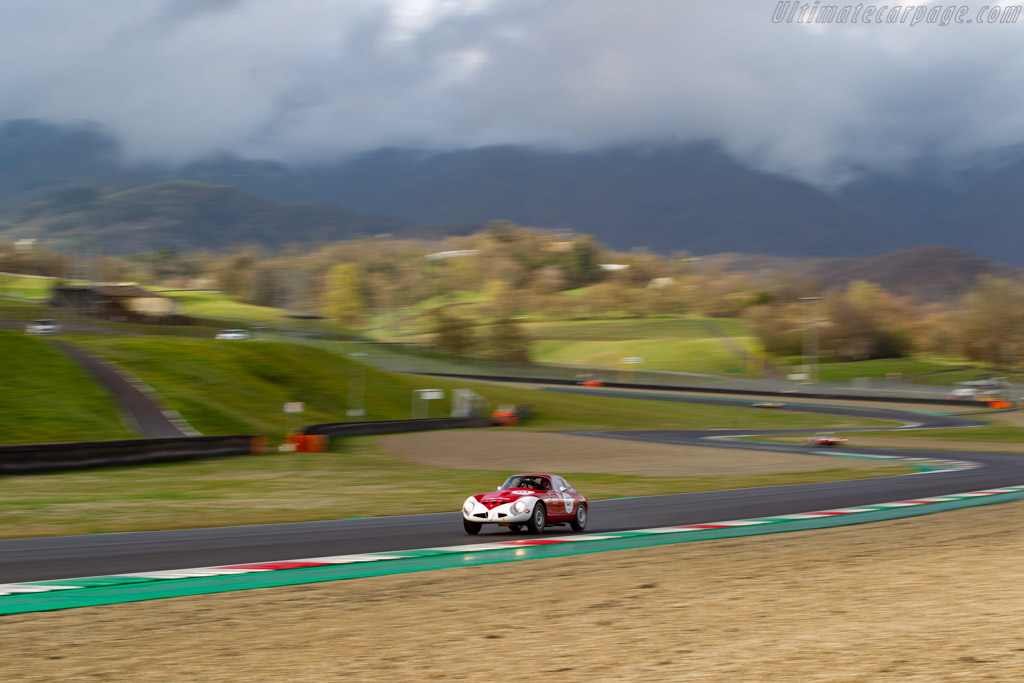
935 598
538 451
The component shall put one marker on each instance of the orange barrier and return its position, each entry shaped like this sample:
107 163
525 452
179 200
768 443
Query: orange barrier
592 383
306 443
999 404
506 418
314 443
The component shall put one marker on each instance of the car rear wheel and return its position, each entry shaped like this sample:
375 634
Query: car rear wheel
538 519
579 522
471 527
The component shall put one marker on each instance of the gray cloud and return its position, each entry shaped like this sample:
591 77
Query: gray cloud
316 79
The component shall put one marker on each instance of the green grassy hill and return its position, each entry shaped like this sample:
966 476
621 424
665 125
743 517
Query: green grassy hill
240 387
720 346
45 397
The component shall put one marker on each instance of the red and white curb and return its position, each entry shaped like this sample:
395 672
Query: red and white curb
285 565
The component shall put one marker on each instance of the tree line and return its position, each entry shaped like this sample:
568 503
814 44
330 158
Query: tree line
471 291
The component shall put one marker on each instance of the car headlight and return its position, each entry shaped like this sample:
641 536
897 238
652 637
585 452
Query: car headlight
467 507
520 506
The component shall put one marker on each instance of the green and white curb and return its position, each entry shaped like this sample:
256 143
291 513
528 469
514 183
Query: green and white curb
38 596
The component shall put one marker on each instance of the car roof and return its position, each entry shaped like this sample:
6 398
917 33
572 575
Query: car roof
534 474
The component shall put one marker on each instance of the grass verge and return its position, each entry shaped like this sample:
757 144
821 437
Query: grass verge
45 397
355 481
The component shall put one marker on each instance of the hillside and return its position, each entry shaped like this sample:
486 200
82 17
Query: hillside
46 397
684 197
672 197
926 273
240 387
181 214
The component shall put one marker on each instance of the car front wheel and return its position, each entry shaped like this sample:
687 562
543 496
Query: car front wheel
471 527
538 519
579 522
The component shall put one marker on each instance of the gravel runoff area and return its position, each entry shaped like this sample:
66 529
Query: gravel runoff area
934 598
538 451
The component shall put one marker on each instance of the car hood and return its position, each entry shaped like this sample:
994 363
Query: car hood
492 498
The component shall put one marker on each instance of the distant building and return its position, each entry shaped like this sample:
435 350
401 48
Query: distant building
117 302
614 266
660 282
25 245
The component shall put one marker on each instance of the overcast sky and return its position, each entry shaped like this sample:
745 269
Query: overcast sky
314 79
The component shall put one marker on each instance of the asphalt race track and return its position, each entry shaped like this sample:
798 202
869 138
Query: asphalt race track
76 556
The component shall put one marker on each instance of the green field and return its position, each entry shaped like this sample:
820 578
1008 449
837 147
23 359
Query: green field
719 346
678 355
898 368
239 387
45 397
26 287
355 481
634 328
204 304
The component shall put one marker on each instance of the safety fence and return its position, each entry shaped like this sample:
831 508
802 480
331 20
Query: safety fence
49 457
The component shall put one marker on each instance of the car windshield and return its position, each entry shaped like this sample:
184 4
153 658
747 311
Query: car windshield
527 481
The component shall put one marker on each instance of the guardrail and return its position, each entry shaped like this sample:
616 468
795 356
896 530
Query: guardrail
51 457
332 429
791 395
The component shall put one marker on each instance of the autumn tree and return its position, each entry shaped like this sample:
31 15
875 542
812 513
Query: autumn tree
865 321
993 321
583 263
506 342
452 333
342 300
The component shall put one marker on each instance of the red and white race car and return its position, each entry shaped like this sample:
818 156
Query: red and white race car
532 500
825 440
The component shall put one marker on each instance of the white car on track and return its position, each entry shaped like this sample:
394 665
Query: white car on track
46 326
530 500
233 334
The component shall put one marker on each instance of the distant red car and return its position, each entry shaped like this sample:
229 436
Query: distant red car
825 440
533 500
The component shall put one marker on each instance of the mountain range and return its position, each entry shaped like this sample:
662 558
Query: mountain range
685 197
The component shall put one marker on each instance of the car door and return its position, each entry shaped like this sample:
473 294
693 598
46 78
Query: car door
566 501
552 500
575 498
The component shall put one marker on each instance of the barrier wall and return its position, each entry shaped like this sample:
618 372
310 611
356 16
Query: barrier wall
332 429
30 458
790 395
52 457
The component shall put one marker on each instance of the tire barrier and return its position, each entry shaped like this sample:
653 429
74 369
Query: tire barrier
52 457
